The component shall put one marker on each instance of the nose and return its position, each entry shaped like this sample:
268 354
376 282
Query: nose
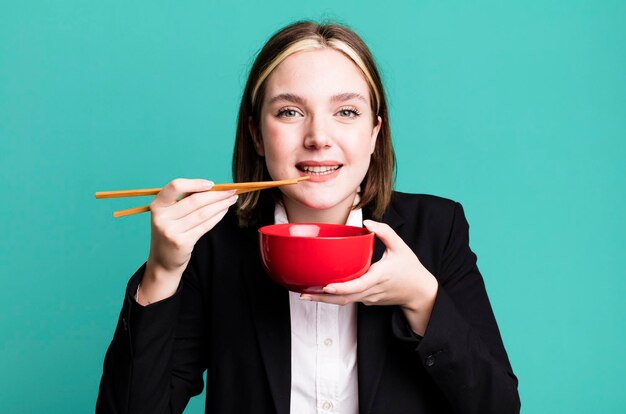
317 134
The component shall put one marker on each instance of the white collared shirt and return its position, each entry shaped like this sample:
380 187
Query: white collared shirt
323 349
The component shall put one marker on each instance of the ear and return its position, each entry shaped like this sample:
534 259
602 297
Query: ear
256 138
375 132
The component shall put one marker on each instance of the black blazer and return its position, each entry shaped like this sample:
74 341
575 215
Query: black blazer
229 319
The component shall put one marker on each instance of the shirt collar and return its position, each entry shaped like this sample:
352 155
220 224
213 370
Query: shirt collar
354 219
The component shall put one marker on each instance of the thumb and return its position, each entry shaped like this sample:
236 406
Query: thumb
390 238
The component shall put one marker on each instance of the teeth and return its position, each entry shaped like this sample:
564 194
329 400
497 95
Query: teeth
319 170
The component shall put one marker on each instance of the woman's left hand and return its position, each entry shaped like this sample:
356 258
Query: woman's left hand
398 278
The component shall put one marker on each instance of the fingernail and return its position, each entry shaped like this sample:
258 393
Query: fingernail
305 297
233 199
330 290
368 223
207 184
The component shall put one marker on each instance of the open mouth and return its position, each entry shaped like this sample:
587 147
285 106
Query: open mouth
318 169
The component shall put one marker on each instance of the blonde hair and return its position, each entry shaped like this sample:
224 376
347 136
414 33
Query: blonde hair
318 42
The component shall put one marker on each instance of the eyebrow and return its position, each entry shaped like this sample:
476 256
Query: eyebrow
289 97
342 97
348 96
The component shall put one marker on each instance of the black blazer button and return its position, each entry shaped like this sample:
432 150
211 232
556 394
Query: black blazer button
430 360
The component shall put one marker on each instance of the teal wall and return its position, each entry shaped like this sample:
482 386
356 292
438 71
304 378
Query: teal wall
517 109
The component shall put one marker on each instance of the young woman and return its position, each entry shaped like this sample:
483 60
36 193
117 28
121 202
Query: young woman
416 333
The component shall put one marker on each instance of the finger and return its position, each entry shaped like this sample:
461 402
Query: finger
196 202
205 213
178 187
206 226
332 299
390 238
354 286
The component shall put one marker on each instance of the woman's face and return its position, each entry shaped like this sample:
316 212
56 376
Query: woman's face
316 120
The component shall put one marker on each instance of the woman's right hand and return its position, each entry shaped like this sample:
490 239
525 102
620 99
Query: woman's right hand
176 225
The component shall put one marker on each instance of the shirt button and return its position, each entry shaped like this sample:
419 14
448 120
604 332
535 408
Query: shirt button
327 405
328 342
430 360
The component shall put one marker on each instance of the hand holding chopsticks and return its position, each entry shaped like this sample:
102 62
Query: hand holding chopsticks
239 188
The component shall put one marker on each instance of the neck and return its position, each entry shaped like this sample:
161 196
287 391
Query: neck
297 213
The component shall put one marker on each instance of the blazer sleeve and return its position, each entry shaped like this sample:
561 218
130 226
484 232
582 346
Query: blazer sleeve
155 362
462 349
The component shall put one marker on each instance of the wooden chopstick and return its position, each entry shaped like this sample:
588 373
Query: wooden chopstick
240 187
131 211
256 185
143 209
127 193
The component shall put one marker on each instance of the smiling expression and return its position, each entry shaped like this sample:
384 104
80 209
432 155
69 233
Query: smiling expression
317 120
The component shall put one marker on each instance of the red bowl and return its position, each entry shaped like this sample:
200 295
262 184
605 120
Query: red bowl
305 257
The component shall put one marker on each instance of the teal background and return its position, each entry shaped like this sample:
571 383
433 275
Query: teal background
517 109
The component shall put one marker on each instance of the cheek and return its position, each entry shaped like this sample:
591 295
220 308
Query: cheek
277 148
273 134
359 144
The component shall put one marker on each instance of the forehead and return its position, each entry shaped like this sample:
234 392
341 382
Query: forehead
318 73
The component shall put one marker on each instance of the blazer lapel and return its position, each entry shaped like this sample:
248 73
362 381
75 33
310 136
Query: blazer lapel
270 311
373 324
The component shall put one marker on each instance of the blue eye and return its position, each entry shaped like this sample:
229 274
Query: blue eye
349 113
287 113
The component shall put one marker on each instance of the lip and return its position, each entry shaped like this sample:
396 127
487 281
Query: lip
312 163
319 178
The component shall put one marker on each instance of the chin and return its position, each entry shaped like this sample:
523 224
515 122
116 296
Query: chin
320 205
321 201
